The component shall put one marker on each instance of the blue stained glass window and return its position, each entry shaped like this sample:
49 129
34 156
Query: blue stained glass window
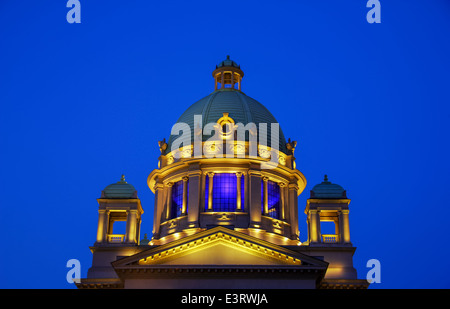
242 192
177 199
206 192
224 195
273 198
224 192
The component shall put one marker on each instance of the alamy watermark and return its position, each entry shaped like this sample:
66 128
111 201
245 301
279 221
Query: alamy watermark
74 14
374 274
74 274
229 140
374 14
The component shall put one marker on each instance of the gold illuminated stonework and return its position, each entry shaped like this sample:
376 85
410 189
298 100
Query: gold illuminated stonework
195 244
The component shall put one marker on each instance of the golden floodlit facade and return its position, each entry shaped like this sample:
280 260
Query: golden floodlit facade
226 208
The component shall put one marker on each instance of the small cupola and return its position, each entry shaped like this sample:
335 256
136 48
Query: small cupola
119 190
328 190
227 75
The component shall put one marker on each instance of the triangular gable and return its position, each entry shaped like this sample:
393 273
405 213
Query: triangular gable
219 246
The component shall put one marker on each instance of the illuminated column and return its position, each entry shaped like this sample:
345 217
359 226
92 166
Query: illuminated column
246 192
255 199
194 198
210 191
337 227
128 228
169 200
215 83
345 227
222 75
287 210
232 80
293 209
266 196
130 236
103 219
138 229
101 226
185 193
282 200
106 225
314 226
203 185
238 195
159 205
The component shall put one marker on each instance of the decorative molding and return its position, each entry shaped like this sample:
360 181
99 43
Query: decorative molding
225 216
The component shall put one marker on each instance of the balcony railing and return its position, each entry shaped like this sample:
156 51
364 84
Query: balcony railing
329 238
116 238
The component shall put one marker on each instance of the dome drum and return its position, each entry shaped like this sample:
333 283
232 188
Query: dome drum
242 197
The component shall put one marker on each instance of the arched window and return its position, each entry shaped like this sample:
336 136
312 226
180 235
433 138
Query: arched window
224 192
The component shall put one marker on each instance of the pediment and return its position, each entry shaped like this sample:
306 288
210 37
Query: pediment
219 246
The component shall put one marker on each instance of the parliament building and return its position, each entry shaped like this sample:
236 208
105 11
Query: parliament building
226 209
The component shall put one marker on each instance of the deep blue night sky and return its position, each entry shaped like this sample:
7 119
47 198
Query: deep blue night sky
83 103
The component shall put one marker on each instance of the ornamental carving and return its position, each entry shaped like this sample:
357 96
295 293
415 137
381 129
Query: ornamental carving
186 152
170 159
212 147
225 217
264 152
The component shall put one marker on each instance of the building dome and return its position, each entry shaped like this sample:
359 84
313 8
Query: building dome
240 107
226 163
119 190
328 190
228 100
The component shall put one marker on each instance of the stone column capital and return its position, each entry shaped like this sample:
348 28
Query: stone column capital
158 186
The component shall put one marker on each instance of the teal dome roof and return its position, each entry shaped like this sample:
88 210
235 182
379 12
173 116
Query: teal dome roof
328 190
228 63
120 190
240 107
